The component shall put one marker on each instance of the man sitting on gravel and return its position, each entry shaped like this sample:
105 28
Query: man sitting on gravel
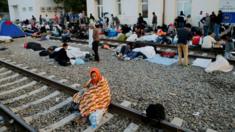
61 56
96 96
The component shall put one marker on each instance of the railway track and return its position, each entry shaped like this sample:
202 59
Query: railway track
32 100
193 52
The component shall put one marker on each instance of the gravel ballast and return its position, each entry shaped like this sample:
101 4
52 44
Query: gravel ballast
182 90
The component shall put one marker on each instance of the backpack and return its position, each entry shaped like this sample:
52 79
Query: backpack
64 63
43 53
156 111
196 40
168 54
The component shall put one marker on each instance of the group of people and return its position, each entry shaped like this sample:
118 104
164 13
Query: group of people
208 23
208 43
107 22
96 94
211 23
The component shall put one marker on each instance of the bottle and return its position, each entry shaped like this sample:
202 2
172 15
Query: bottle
92 119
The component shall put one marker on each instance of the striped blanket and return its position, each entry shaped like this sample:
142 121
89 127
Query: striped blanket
96 97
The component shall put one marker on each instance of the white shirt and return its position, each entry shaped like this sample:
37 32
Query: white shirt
208 42
90 38
132 38
47 19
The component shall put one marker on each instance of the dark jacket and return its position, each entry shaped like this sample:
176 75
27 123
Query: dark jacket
154 21
219 19
62 56
183 35
206 21
140 20
213 18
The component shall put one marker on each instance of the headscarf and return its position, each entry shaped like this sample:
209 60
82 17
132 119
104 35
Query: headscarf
98 74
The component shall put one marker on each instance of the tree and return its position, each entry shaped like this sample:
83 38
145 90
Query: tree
3 6
72 5
58 1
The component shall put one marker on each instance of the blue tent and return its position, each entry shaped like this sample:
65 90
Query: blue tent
7 28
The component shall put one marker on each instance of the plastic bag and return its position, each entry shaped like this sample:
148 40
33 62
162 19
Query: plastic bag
221 64
95 117
79 61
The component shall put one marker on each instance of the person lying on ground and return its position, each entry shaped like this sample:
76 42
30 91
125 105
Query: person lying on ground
96 96
40 33
123 50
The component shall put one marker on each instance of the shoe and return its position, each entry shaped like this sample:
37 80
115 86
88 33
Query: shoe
187 66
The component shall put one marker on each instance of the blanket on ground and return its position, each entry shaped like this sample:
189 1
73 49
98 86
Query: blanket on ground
73 52
5 38
157 59
221 64
148 51
202 62
149 38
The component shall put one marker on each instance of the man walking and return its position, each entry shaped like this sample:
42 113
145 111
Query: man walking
184 35
154 21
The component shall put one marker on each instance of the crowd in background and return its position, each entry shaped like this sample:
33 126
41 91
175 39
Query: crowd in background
208 31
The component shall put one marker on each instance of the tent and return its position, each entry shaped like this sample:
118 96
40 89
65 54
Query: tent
7 28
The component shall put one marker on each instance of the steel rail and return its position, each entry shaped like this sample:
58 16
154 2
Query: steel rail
17 121
139 43
113 107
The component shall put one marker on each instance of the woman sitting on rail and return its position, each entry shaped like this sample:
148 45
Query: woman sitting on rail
96 96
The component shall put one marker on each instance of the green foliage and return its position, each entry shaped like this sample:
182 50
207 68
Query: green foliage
3 6
73 5
58 1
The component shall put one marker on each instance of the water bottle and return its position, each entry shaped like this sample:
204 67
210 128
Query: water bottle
92 119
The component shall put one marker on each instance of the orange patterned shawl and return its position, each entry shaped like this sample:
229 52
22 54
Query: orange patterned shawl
97 97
